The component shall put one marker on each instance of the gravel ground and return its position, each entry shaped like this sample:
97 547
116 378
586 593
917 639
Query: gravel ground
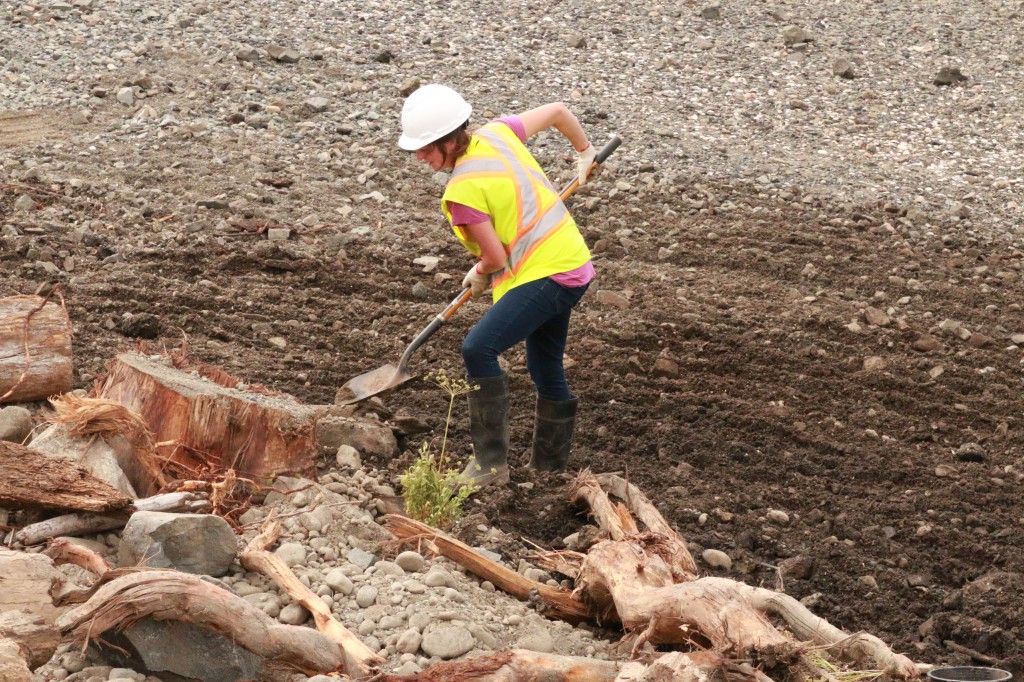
188 125
750 92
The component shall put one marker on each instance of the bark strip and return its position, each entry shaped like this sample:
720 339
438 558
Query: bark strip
31 480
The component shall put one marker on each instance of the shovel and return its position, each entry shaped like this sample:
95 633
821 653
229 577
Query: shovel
387 377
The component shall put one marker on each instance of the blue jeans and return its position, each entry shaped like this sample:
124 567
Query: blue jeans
537 312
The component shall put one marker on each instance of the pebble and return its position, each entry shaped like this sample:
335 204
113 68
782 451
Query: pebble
366 596
411 562
291 553
339 582
409 641
717 559
438 577
293 614
447 641
15 423
348 458
360 558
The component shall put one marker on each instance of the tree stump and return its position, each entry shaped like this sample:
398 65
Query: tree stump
200 423
35 349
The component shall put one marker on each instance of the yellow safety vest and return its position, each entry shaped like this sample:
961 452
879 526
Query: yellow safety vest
498 176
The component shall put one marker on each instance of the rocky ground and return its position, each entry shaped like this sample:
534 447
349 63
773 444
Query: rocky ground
805 339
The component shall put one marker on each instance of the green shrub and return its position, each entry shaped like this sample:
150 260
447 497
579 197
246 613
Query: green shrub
432 489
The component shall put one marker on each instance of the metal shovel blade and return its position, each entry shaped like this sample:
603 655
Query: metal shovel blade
373 382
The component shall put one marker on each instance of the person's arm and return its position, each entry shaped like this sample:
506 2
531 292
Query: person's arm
555 115
492 254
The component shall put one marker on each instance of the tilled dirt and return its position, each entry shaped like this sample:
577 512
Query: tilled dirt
900 491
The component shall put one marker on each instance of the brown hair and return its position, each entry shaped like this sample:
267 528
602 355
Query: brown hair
461 137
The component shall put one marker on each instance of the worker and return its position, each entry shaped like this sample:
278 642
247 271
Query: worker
528 251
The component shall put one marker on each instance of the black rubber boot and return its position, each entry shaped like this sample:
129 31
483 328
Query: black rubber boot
488 426
552 434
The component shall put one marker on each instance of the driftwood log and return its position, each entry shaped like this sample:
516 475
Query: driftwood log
645 579
86 523
199 423
170 595
35 349
359 659
32 480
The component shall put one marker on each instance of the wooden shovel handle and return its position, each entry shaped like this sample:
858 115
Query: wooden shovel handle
456 303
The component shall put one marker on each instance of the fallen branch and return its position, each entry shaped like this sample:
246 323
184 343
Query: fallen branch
85 523
359 659
170 595
556 602
64 552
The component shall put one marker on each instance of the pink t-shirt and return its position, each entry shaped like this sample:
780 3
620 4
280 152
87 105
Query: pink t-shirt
464 215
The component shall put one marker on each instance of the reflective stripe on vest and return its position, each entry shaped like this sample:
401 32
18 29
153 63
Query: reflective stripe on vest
533 223
497 175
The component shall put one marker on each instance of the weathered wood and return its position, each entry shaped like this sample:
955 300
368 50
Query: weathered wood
70 524
637 578
170 595
199 423
516 665
35 349
697 666
359 659
86 523
27 612
676 552
32 480
63 552
557 602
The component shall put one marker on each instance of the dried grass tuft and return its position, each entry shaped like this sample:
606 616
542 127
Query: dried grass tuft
86 417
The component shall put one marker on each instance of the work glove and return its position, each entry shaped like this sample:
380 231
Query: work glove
584 162
478 281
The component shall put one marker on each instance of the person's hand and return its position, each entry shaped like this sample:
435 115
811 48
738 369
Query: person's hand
478 281
584 162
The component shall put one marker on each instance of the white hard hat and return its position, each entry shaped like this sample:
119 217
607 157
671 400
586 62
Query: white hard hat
429 114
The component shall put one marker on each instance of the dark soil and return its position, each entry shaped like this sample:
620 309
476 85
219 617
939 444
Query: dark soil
761 400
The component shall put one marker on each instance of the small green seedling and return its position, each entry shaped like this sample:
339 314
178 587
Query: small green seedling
431 488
